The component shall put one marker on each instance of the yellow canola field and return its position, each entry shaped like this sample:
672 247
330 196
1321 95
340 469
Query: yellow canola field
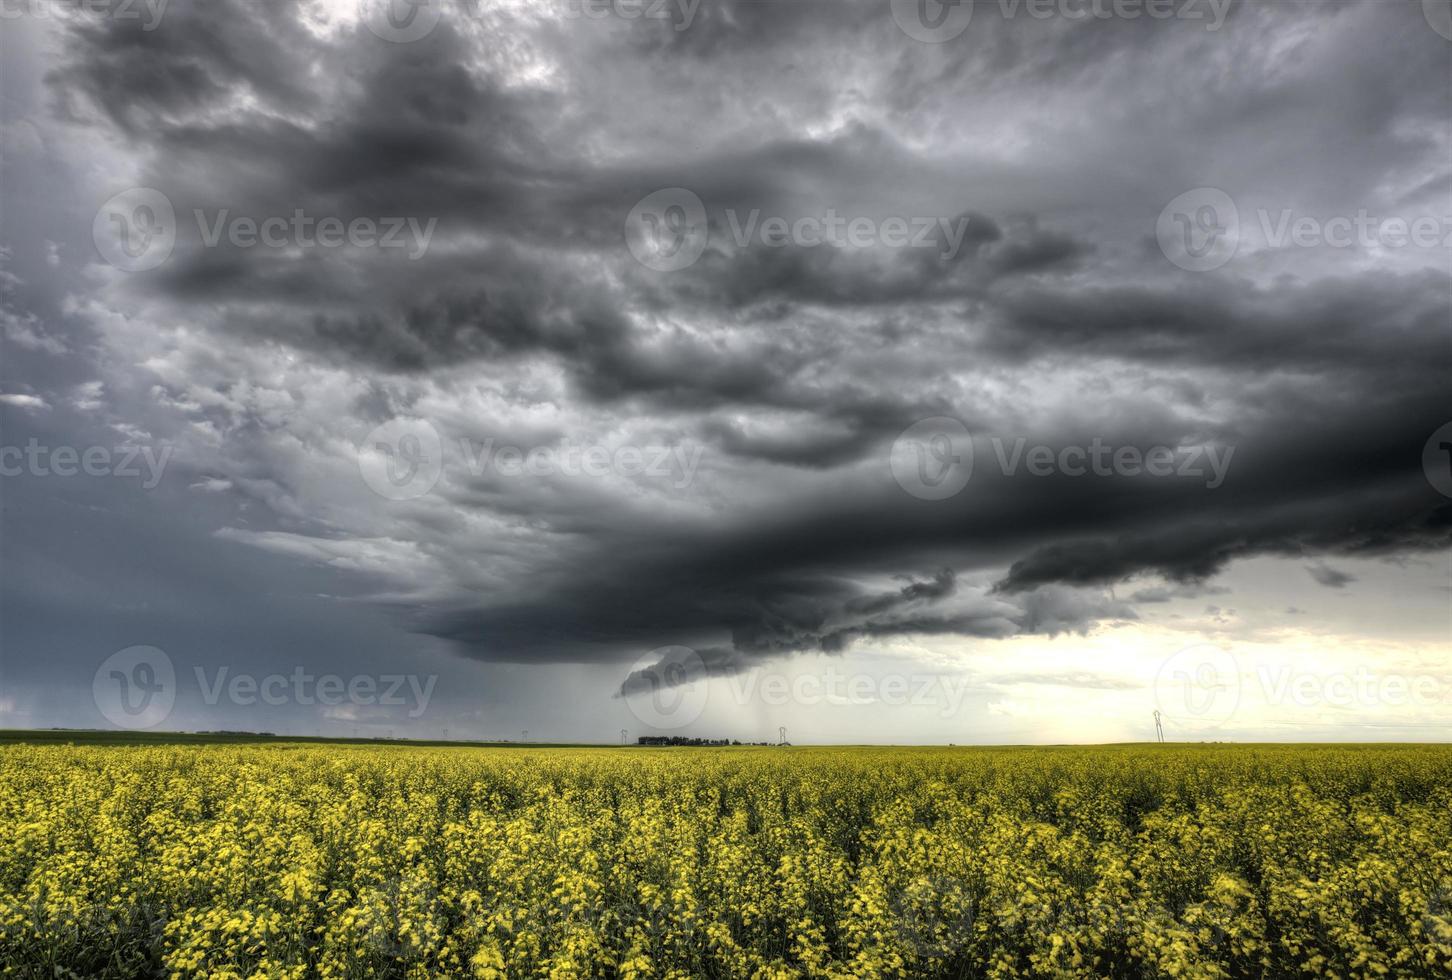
293 860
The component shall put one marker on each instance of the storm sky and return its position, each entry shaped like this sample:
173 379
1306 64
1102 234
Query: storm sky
616 364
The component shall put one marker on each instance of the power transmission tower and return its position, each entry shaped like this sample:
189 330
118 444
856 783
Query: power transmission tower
525 737
781 733
1159 729
624 736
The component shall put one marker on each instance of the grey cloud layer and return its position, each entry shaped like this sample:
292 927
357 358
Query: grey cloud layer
530 136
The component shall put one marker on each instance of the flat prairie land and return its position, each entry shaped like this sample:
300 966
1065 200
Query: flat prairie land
238 857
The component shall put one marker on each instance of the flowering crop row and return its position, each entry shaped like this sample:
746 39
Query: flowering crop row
285 860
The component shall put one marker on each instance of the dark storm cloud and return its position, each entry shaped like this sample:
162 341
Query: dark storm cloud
530 137
1166 593
411 132
1371 322
1332 578
1049 611
682 665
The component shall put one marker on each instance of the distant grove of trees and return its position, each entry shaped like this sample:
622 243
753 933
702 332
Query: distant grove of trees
682 740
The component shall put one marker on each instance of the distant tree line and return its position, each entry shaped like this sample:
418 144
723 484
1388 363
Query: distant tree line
683 740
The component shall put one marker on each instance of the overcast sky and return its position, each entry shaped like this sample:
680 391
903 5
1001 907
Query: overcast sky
885 371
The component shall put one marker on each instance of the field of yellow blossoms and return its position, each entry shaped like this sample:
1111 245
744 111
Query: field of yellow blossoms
300 860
